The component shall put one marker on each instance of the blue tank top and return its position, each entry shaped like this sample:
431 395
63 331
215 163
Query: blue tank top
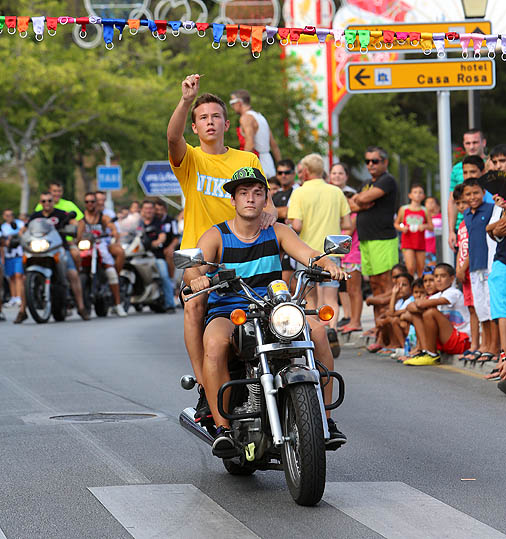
258 263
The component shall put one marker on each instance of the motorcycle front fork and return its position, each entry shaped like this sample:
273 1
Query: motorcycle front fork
267 381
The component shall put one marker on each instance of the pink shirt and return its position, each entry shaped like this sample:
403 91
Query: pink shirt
353 257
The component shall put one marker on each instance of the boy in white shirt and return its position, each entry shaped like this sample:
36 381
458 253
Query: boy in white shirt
444 321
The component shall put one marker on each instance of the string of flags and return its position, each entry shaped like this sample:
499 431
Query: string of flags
252 36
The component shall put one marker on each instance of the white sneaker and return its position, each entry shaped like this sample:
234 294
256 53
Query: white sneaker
118 309
11 303
397 353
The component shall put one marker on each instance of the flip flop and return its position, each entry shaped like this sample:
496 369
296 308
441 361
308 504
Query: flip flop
346 330
488 357
467 355
374 347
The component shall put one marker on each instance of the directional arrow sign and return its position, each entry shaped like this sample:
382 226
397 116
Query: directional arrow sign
469 26
156 178
420 76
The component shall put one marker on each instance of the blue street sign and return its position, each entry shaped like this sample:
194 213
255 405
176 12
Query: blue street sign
109 178
157 178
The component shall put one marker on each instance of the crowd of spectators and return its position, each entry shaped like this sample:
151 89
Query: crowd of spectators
422 307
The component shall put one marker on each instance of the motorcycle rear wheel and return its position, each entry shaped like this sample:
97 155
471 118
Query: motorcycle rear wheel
303 456
38 305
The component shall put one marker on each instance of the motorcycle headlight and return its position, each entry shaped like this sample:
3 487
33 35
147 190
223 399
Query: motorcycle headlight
39 246
84 245
287 321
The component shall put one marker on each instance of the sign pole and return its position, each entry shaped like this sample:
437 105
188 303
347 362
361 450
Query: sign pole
445 165
109 204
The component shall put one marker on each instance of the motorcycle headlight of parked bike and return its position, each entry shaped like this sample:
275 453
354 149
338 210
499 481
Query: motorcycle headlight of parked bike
287 321
39 246
84 245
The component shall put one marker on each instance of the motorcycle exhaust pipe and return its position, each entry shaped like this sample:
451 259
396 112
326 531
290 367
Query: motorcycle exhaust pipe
186 420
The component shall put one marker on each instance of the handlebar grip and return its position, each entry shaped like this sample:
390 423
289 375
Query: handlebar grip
187 291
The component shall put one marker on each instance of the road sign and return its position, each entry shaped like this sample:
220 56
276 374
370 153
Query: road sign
156 178
470 26
109 178
420 76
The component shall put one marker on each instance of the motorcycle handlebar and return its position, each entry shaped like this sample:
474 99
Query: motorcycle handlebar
187 291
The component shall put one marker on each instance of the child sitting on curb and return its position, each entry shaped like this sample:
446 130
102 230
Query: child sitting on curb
441 321
406 318
389 323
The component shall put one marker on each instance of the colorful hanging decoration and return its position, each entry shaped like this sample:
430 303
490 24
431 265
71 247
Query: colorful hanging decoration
253 36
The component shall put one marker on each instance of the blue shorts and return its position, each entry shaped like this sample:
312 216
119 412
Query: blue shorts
69 261
496 281
13 265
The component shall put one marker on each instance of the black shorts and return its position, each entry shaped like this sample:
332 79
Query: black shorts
211 317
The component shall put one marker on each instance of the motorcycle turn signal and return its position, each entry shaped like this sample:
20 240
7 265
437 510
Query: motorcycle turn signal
238 317
325 313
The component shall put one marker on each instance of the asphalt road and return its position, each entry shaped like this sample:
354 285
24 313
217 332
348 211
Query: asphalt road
425 456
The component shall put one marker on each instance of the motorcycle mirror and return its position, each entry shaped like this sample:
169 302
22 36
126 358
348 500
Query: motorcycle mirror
337 245
188 258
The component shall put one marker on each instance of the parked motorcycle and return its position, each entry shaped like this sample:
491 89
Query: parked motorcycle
276 408
140 281
46 285
94 282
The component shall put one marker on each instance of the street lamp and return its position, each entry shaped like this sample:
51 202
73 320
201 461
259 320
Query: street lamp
474 9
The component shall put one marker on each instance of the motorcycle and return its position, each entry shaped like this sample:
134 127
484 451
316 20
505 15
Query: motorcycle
46 286
276 408
94 282
139 279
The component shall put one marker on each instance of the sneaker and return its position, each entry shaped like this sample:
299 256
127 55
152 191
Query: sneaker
21 317
170 310
2 317
398 352
343 322
337 438
224 445
426 359
335 347
202 411
11 303
118 309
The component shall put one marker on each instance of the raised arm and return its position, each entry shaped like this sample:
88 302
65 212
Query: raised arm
177 122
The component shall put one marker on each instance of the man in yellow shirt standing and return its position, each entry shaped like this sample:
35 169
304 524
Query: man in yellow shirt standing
202 171
318 209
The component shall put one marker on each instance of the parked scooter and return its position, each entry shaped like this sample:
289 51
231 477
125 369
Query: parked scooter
276 408
140 280
46 286
94 282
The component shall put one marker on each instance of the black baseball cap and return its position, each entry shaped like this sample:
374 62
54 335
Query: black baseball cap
245 175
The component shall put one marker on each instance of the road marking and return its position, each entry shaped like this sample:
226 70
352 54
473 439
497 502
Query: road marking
461 371
181 511
2 536
396 511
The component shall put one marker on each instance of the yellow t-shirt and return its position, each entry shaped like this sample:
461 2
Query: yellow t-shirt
320 207
202 176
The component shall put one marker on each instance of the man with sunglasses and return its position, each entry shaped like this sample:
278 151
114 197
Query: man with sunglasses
376 205
95 221
58 219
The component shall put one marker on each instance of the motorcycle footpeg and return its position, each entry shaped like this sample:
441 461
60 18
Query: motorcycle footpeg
188 381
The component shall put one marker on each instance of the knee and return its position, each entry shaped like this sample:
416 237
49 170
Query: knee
194 310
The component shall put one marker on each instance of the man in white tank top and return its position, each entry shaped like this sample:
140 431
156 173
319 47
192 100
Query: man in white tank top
254 133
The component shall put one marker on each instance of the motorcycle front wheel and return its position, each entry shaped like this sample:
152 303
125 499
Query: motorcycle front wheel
303 455
35 289
86 287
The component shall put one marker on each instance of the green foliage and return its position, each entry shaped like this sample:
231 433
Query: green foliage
9 196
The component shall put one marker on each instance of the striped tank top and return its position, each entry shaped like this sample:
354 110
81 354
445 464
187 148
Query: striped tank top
258 263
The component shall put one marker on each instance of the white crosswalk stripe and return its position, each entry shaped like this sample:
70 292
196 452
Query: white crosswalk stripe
2 536
396 511
182 511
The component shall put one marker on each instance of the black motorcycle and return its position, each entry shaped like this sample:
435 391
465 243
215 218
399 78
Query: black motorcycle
276 408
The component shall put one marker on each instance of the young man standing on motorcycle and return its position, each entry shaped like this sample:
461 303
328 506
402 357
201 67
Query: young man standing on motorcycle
201 172
95 221
234 239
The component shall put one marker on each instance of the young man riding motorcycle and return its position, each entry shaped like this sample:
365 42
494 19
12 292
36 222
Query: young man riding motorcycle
95 221
59 219
254 252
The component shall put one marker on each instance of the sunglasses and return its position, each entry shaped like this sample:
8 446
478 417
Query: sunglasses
90 201
284 172
42 200
373 161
